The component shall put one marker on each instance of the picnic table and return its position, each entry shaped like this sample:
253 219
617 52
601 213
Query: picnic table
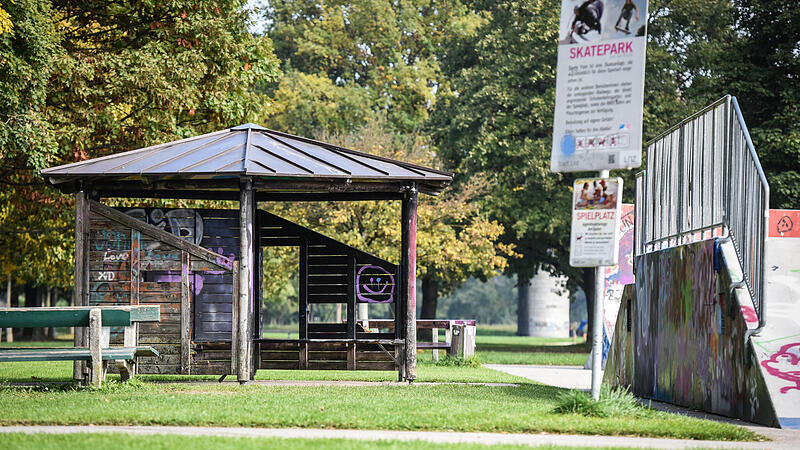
98 319
462 346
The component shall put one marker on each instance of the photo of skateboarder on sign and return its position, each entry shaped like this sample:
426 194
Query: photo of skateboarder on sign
626 13
586 23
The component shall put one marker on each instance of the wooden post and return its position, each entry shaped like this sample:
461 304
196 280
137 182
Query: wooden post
351 312
95 346
244 355
81 272
9 331
303 305
409 263
186 293
235 319
136 245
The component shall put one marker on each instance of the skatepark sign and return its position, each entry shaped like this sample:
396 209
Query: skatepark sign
599 85
596 211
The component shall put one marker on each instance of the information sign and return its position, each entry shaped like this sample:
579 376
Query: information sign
599 85
594 239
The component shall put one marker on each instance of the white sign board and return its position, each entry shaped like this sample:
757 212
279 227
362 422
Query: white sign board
599 85
596 204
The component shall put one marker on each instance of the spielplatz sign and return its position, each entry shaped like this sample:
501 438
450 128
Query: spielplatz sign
594 240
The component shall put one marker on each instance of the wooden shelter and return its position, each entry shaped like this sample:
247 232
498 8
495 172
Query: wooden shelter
204 266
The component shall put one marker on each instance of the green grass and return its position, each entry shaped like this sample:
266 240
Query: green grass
509 349
14 441
528 408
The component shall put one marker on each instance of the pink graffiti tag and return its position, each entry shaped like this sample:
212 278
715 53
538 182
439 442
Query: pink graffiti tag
780 364
749 314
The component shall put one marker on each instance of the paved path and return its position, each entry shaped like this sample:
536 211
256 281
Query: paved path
571 377
428 436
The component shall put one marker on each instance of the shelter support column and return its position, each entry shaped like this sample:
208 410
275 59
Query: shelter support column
244 356
409 273
81 273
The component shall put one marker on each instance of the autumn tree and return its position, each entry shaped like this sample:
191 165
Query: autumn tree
105 77
455 240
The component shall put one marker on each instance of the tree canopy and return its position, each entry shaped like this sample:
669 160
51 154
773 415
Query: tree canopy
82 79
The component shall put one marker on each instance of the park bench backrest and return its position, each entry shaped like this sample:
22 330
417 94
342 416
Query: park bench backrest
76 316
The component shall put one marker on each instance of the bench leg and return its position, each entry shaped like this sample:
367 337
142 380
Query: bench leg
435 340
130 338
126 370
95 348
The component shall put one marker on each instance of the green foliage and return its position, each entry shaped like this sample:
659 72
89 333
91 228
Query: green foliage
82 79
491 302
382 54
612 403
448 360
498 127
454 239
762 71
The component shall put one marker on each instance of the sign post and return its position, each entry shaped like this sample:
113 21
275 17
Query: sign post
598 127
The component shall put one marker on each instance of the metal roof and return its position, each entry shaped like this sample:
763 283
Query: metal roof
247 150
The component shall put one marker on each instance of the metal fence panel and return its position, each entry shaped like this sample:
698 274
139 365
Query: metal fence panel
703 180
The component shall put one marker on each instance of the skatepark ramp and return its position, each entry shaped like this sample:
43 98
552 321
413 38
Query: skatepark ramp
713 320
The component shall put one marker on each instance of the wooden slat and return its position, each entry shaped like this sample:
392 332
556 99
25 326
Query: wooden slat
327 356
327 279
280 241
327 327
340 269
372 356
327 365
376 366
109 275
327 250
159 369
325 289
211 367
212 355
280 355
279 345
291 365
327 260
328 298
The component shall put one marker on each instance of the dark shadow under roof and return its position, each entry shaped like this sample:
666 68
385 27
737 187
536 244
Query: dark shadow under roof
215 162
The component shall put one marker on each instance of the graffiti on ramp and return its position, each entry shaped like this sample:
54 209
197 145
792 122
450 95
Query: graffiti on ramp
785 364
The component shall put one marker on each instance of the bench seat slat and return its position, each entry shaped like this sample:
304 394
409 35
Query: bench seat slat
437 345
72 354
77 316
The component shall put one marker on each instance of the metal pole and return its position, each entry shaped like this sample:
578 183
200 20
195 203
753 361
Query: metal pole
597 323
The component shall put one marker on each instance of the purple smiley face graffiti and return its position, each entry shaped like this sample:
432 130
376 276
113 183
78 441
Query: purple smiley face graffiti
374 284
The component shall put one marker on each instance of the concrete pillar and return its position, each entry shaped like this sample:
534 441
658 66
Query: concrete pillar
548 306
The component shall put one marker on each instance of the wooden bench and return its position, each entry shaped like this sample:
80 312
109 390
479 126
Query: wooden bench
433 325
99 320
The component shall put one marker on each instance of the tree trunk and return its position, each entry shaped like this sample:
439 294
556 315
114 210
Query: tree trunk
430 300
523 311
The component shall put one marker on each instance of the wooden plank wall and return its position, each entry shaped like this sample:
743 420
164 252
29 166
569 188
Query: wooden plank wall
190 290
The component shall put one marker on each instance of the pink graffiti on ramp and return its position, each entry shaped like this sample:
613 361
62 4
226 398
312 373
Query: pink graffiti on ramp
781 363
